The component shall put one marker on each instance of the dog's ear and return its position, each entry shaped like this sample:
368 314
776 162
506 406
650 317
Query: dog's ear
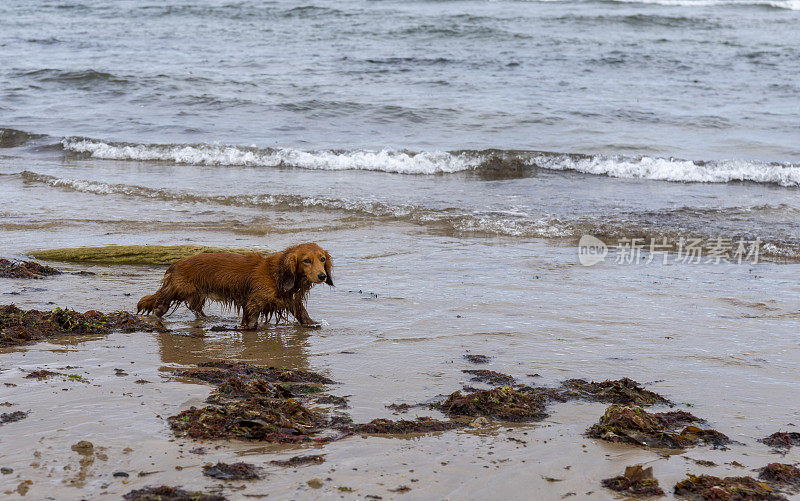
287 272
328 269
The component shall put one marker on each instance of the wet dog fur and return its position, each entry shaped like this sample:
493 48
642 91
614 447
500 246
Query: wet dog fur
273 286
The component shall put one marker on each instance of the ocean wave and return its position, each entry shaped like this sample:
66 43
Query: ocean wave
507 223
511 162
777 4
386 160
669 169
11 138
663 227
80 76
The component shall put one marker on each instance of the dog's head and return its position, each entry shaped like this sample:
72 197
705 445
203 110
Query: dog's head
305 263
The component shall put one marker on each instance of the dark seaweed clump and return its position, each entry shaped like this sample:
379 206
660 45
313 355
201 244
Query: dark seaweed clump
782 440
477 359
299 460
634 425
258 418
622 391
636 481
490 377
257 403
707 487
25 269
41 374
785 475
234 471
506 403
238 379
19 327
420 425
10 417
165 493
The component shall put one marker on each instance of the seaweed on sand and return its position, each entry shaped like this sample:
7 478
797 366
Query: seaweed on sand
42 374
11 417
401 427
242 380
504 403
216 372
258 418
636 481
165 493
783 475
234 471
299 460
707 487
490 377
257 403
25 269
477 359
782 440
28 326
621 391
634 425
131 254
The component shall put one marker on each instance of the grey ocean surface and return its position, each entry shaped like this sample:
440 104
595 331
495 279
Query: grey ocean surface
449 155
653 119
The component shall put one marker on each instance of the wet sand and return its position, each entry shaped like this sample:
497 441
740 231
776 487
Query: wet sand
388 339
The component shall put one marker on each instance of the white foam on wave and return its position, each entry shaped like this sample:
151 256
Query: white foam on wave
664 169
438 162
778 4
385 160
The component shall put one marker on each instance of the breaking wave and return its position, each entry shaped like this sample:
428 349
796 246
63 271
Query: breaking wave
443 162
670 226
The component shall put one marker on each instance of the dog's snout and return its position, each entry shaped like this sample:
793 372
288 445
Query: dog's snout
322 276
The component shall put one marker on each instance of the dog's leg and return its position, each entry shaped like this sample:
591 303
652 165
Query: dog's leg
300 313
251 311
196 304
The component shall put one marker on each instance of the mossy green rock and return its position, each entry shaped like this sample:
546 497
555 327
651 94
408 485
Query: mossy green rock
132 254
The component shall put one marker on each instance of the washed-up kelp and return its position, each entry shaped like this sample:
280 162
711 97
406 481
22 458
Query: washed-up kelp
25 269
257 403
165 493
267 419
477 359
234 471
634 425
10 417
785 476
28 326
299 460
636 481
621 391
490 377
782 440
132 254
707 487
420 425
505 403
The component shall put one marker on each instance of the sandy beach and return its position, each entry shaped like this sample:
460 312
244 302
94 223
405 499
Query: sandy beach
564 233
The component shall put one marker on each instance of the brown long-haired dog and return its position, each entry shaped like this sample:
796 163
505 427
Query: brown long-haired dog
273 286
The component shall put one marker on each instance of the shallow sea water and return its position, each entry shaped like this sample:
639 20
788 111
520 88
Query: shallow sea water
449 156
